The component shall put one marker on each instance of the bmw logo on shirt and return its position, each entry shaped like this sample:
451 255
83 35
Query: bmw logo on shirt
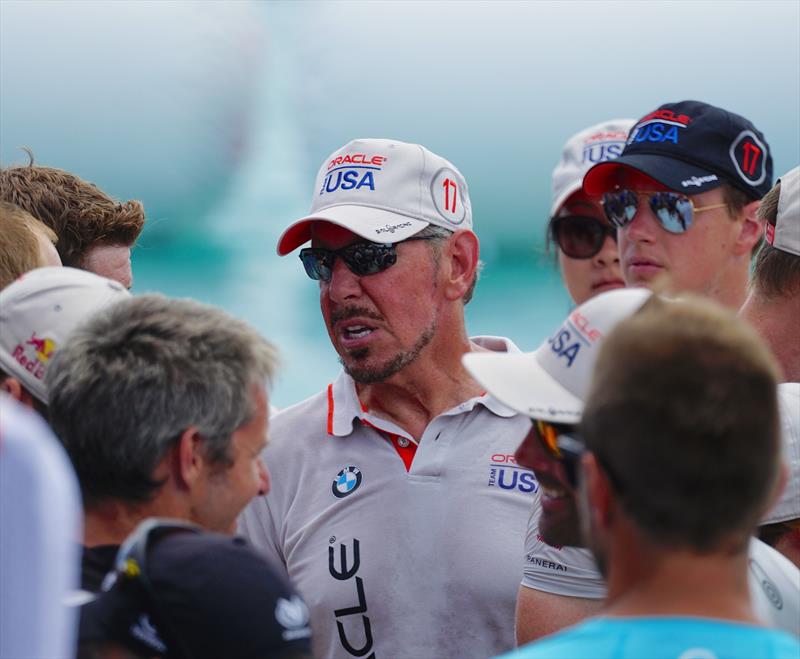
346 482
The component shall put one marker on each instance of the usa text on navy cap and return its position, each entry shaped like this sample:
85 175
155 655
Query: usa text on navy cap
692 147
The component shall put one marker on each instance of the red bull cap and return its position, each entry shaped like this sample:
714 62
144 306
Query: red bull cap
39 311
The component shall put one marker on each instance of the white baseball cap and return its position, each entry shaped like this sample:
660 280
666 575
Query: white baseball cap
785 233
384 191
552 382
598 143
39 311
788 506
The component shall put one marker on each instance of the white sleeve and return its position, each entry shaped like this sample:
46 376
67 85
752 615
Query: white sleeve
774 587
256 523
40 529
569 571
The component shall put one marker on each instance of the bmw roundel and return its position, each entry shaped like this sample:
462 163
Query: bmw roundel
346 482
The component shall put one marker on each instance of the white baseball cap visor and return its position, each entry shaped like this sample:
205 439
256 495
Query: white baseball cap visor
519 381
374 224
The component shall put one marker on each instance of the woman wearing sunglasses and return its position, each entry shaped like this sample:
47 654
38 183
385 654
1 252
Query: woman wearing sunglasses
586 242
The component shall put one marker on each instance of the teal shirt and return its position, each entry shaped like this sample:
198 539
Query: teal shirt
662 638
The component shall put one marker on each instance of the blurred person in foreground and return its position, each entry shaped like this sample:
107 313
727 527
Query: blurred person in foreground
678 458
38 312
95 232
587 244
162 406
178 592
40 517
561 583
773 308
393 484
684 195
25 243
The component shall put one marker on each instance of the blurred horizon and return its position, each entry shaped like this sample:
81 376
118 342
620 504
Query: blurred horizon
216 115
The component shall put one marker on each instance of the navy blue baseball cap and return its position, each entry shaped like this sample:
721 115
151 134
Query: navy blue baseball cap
692 147
178 592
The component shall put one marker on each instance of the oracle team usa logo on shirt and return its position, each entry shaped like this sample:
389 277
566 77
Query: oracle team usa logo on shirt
346 482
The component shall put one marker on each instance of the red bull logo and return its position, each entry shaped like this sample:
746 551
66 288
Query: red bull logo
34 354
44 347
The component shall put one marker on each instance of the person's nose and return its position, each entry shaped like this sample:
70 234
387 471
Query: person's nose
344 284
644 227
608 254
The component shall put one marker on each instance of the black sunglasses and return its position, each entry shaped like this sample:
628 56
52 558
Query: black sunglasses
674 211
580 236
130 568
362 258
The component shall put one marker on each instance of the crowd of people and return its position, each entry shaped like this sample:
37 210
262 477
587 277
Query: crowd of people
629 489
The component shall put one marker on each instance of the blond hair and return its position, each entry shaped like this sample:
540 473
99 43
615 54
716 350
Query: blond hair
19 242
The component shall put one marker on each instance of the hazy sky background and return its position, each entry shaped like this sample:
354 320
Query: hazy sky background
217 115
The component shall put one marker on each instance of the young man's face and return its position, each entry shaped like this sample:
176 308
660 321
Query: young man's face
110 261
698 260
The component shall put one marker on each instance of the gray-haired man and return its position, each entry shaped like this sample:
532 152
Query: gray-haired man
161 405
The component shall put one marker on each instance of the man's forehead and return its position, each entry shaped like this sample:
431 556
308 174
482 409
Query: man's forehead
630 178
331 234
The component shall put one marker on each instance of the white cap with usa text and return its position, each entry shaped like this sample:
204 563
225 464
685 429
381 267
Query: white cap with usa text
552 382
384 191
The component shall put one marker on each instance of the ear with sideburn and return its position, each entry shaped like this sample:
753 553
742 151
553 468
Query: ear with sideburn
462 252
599 490
189 457
750 231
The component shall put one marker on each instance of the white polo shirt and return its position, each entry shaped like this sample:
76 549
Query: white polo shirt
571 571
395 560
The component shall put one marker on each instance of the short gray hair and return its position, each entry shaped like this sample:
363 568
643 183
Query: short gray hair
135 376
440 233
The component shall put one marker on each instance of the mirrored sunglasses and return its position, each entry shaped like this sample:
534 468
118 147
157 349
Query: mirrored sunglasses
362 258
580 236
674 211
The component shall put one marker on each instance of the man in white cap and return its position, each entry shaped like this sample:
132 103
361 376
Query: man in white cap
398 511
674 475
773 308
561 583
38 312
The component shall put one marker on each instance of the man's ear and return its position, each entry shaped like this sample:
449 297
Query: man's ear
750 231
599 492
462 253
14 388
189 457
